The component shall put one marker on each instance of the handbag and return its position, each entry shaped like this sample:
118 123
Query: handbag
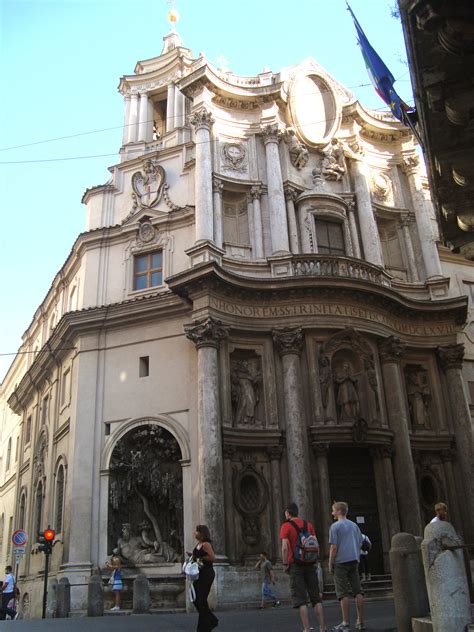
111 579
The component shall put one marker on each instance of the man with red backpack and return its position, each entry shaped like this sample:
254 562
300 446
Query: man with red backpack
299 554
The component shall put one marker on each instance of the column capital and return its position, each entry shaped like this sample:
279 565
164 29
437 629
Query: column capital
270 133
228 451
256 192
291 192
288 340
382 452
410 164
451 356
274 452
202 119
206 333
391 349
320 449
406 220
217 185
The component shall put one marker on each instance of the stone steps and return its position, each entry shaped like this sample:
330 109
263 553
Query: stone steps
379 586
127 612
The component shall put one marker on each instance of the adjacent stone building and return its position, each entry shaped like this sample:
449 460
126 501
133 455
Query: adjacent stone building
256 313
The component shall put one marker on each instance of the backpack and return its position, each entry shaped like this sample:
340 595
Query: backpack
366 545
306 550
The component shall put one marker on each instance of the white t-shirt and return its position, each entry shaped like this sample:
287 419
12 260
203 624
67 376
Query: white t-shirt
10 583
435 519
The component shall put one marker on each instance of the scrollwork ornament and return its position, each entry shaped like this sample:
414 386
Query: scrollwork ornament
391 349
148 185
288 340
207 332
146 232
234 156
451 356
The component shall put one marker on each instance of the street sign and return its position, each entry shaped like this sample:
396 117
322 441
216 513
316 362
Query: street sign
17 559
19 550
20 537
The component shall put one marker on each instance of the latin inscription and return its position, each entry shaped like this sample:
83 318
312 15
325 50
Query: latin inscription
330 309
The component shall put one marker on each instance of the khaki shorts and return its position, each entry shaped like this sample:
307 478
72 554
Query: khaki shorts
303 584
346 579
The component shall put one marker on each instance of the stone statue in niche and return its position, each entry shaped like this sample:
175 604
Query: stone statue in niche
347 396
325 377
148 185
299 155
332 163
418 397
143 549
246 381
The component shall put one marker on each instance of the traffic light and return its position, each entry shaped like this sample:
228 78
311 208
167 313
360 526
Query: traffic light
45 540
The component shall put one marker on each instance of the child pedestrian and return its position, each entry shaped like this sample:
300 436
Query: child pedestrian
268 578
116 579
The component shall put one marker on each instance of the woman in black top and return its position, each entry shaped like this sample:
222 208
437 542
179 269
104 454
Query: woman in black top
204 555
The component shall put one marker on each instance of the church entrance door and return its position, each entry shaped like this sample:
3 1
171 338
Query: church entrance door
352 479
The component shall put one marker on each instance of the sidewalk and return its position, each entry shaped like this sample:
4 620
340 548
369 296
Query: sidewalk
380 617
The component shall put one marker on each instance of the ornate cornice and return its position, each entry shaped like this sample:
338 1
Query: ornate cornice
451 356
202 119
391 349
206 333
288 340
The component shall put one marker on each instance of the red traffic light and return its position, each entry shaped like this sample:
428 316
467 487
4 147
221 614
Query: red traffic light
49 534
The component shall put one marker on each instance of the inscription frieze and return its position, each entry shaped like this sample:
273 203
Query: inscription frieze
317 308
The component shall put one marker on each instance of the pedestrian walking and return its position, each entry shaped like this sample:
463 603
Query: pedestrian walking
299 554
345 539
268 579
364 569
204 555
115 580
8 593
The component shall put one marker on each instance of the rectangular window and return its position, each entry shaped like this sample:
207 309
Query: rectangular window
148 270
28 430
144 366
329 237
65 387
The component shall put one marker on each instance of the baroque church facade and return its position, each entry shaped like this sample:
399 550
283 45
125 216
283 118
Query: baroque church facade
255 314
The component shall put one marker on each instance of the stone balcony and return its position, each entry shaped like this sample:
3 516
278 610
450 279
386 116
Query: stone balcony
341 267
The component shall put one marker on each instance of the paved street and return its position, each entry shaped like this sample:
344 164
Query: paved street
379 618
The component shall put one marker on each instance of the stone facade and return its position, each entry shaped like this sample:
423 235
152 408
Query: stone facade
256 313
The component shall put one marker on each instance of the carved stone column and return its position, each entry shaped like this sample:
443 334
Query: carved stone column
353 230
320 451
133 119
143 117
290 196
218 186
255 193
386 497
231 550
202 121
170 108
289 344
451 358
126 119
405 226
423 219
391 350
368 225
279 227
274 453
207 335
447 456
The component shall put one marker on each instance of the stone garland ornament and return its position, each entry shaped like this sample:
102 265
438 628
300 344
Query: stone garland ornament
299 154
148 185
234 156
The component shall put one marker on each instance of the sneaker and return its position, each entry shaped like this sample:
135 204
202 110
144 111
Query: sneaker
276 604
360 626
17 615
115 608
342 627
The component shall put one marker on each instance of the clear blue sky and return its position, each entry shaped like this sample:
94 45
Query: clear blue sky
61 64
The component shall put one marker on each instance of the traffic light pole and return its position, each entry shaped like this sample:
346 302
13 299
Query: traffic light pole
45 587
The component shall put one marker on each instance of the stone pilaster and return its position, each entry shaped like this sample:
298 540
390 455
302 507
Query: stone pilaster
133 119
274 454
255 194
289 344
276 199
451 359
391 350
291 195
368 225
217 187
423 219
207 336
142 118
320 451
202 121
353 230
405 226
